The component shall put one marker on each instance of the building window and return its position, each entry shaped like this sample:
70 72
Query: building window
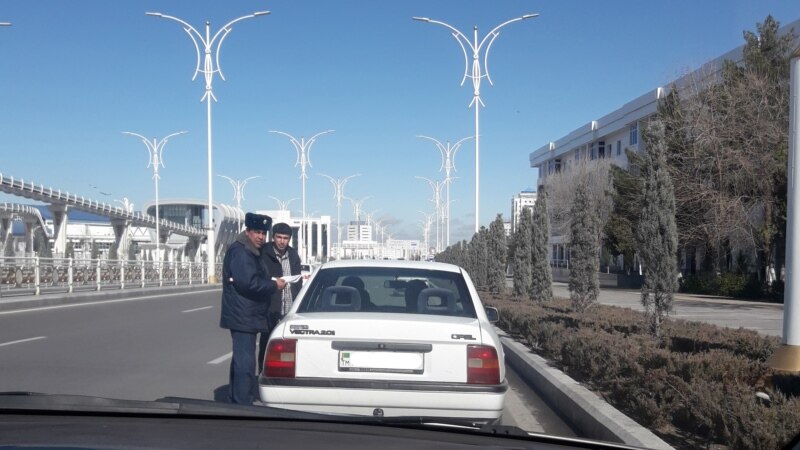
634 134
601 149
558 165
619 148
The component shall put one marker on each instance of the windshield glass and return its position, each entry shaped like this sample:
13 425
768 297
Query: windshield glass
388 290
409 210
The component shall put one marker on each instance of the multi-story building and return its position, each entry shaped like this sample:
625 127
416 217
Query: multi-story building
359 231
609 136
525 199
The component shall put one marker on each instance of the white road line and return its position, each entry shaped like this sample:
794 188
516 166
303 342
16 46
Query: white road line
221 359
197 309
101 302
23 340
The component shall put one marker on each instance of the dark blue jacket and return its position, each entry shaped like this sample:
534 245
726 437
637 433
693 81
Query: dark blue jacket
246 288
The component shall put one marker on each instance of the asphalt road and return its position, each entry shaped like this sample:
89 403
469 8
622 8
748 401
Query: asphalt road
156 346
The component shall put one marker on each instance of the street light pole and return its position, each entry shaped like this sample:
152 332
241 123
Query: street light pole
283 206
437 200
477 75
155 149
448 165
338 194
209 67
238 193
303 149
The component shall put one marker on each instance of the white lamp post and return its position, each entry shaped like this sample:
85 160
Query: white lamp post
303 149
209 67
338 194
238 193
787 357
283 206
426 229
437 200
477 74
448 165
155 149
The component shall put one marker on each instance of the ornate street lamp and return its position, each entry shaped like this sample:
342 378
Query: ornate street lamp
476 75
209 67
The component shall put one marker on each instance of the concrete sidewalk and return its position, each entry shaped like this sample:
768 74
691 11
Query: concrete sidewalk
765 318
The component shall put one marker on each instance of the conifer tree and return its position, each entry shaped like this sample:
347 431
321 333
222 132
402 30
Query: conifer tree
584 285
497 250
656 234
478 258
541 287
521 263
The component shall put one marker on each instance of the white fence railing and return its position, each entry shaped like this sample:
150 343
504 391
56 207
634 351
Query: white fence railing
34 275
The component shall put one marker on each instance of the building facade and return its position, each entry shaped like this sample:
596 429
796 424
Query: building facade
525 199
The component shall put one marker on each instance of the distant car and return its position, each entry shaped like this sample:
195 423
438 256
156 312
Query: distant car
351 345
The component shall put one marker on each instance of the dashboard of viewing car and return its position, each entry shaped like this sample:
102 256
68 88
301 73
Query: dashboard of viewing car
89 431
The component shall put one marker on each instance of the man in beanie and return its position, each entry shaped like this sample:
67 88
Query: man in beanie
246 291
281 260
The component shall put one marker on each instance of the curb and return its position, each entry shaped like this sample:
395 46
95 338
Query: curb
582 409
38 301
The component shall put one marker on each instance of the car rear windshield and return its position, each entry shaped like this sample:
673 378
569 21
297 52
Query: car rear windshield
388 290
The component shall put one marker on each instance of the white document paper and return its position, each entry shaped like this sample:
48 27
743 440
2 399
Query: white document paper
292 278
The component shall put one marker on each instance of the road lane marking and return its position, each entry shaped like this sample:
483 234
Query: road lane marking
22 340
101 302
221 359
197 309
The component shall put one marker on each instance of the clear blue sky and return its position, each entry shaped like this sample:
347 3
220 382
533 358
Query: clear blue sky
75 74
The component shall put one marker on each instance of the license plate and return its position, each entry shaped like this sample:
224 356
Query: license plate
388 362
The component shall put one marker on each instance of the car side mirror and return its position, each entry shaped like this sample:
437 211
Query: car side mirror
492 314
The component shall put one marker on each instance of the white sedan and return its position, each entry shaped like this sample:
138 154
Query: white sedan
387 338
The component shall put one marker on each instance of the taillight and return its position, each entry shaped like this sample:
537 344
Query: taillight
280 359
483 366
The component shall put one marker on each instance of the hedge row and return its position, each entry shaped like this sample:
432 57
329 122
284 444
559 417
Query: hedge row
694 387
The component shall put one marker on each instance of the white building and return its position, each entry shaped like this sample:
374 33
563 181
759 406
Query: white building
359 231
608 136
525 199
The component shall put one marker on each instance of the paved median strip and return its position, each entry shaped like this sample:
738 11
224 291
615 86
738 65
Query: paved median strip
22 340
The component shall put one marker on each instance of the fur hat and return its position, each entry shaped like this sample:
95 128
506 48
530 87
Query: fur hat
257 222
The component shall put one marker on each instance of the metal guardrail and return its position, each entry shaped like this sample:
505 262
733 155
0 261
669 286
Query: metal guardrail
34 275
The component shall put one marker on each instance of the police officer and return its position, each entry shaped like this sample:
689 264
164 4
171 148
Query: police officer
246 291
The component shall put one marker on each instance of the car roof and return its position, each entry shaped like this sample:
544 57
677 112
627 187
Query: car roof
394 264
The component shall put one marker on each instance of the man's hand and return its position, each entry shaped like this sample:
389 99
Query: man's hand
281 283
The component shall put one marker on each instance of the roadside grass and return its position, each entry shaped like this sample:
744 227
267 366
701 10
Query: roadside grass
694 387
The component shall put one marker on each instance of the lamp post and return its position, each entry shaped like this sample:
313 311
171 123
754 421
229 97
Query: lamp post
283 206
155 149
238 193
476 75
338 194
448 165
437 200
209 67
426 229
303 149
358 206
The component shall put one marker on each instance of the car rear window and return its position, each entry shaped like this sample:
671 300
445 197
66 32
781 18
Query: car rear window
388 290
